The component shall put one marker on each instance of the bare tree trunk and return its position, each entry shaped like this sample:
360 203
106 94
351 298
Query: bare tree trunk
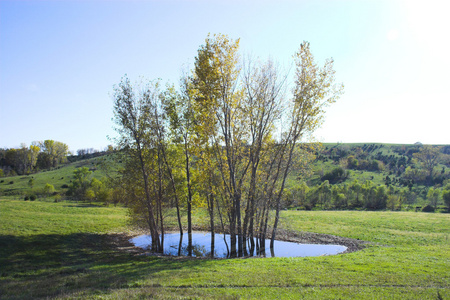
280 193
223 227
151 219
210 201
189 199
172 181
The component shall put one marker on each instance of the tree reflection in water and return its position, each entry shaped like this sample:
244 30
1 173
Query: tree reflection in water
201 246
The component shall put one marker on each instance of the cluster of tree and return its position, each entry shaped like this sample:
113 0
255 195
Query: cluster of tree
28 160
82 187
336 175
88 153
357 195
225 140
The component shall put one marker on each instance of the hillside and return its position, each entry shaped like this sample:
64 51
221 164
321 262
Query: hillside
343 170
60 178
339 172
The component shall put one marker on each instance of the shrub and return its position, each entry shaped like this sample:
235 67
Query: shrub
2 181
338 174
11 182
428 208
26 198
57 197
32 197
64 186
49 189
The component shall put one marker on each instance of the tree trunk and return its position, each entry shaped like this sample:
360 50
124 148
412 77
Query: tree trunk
151 219
189 199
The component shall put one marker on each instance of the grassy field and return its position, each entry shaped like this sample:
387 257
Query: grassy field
68 250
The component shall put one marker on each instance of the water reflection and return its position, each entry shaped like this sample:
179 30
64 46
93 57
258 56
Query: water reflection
201 246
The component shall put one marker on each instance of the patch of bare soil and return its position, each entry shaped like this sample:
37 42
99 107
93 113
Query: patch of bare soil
319 238
121 242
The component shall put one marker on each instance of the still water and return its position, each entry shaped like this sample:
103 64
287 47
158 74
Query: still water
201 242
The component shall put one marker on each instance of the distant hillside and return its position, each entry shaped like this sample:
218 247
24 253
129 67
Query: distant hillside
392 174
343 176
60 177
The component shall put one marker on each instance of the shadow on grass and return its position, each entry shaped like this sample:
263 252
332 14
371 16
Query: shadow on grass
52 265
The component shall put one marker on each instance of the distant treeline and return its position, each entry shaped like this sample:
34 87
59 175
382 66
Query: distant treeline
41 155
27 160
358 195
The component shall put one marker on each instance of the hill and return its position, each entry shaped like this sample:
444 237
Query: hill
343 176
60 178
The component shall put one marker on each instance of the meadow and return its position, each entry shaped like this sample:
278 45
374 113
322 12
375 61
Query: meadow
76 250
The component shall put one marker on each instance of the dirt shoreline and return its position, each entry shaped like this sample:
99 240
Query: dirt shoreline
122 242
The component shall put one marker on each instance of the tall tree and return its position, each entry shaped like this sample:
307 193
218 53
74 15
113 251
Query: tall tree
313 91
133 112
264 87
179 108
429 157
219 104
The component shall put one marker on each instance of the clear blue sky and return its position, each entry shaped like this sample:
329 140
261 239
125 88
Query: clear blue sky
59 61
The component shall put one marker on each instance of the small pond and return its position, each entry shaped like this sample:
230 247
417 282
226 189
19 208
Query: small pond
201 243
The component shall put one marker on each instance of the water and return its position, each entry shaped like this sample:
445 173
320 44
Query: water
201 242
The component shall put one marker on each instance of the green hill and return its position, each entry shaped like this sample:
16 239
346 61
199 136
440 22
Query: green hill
60 177
333 182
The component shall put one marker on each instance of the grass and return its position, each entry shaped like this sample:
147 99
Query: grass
67 250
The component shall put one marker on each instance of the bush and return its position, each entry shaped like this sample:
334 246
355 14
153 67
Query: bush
57 197
64 186
11 182
49 189
26 198
428 208
338 174
32 197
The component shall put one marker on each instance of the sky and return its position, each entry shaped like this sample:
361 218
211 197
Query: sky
59 61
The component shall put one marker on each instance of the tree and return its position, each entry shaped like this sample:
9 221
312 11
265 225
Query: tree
55 151
33 156
446 196
49 189
31 182
222 121
433 197
429 157
263 98
313 91
180 112
80 183
133 114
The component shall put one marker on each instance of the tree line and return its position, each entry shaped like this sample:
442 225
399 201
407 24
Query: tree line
30 159
362 195
226 139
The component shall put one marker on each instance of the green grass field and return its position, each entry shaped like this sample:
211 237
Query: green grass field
67 250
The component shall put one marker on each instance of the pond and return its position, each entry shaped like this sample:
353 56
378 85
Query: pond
201 242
